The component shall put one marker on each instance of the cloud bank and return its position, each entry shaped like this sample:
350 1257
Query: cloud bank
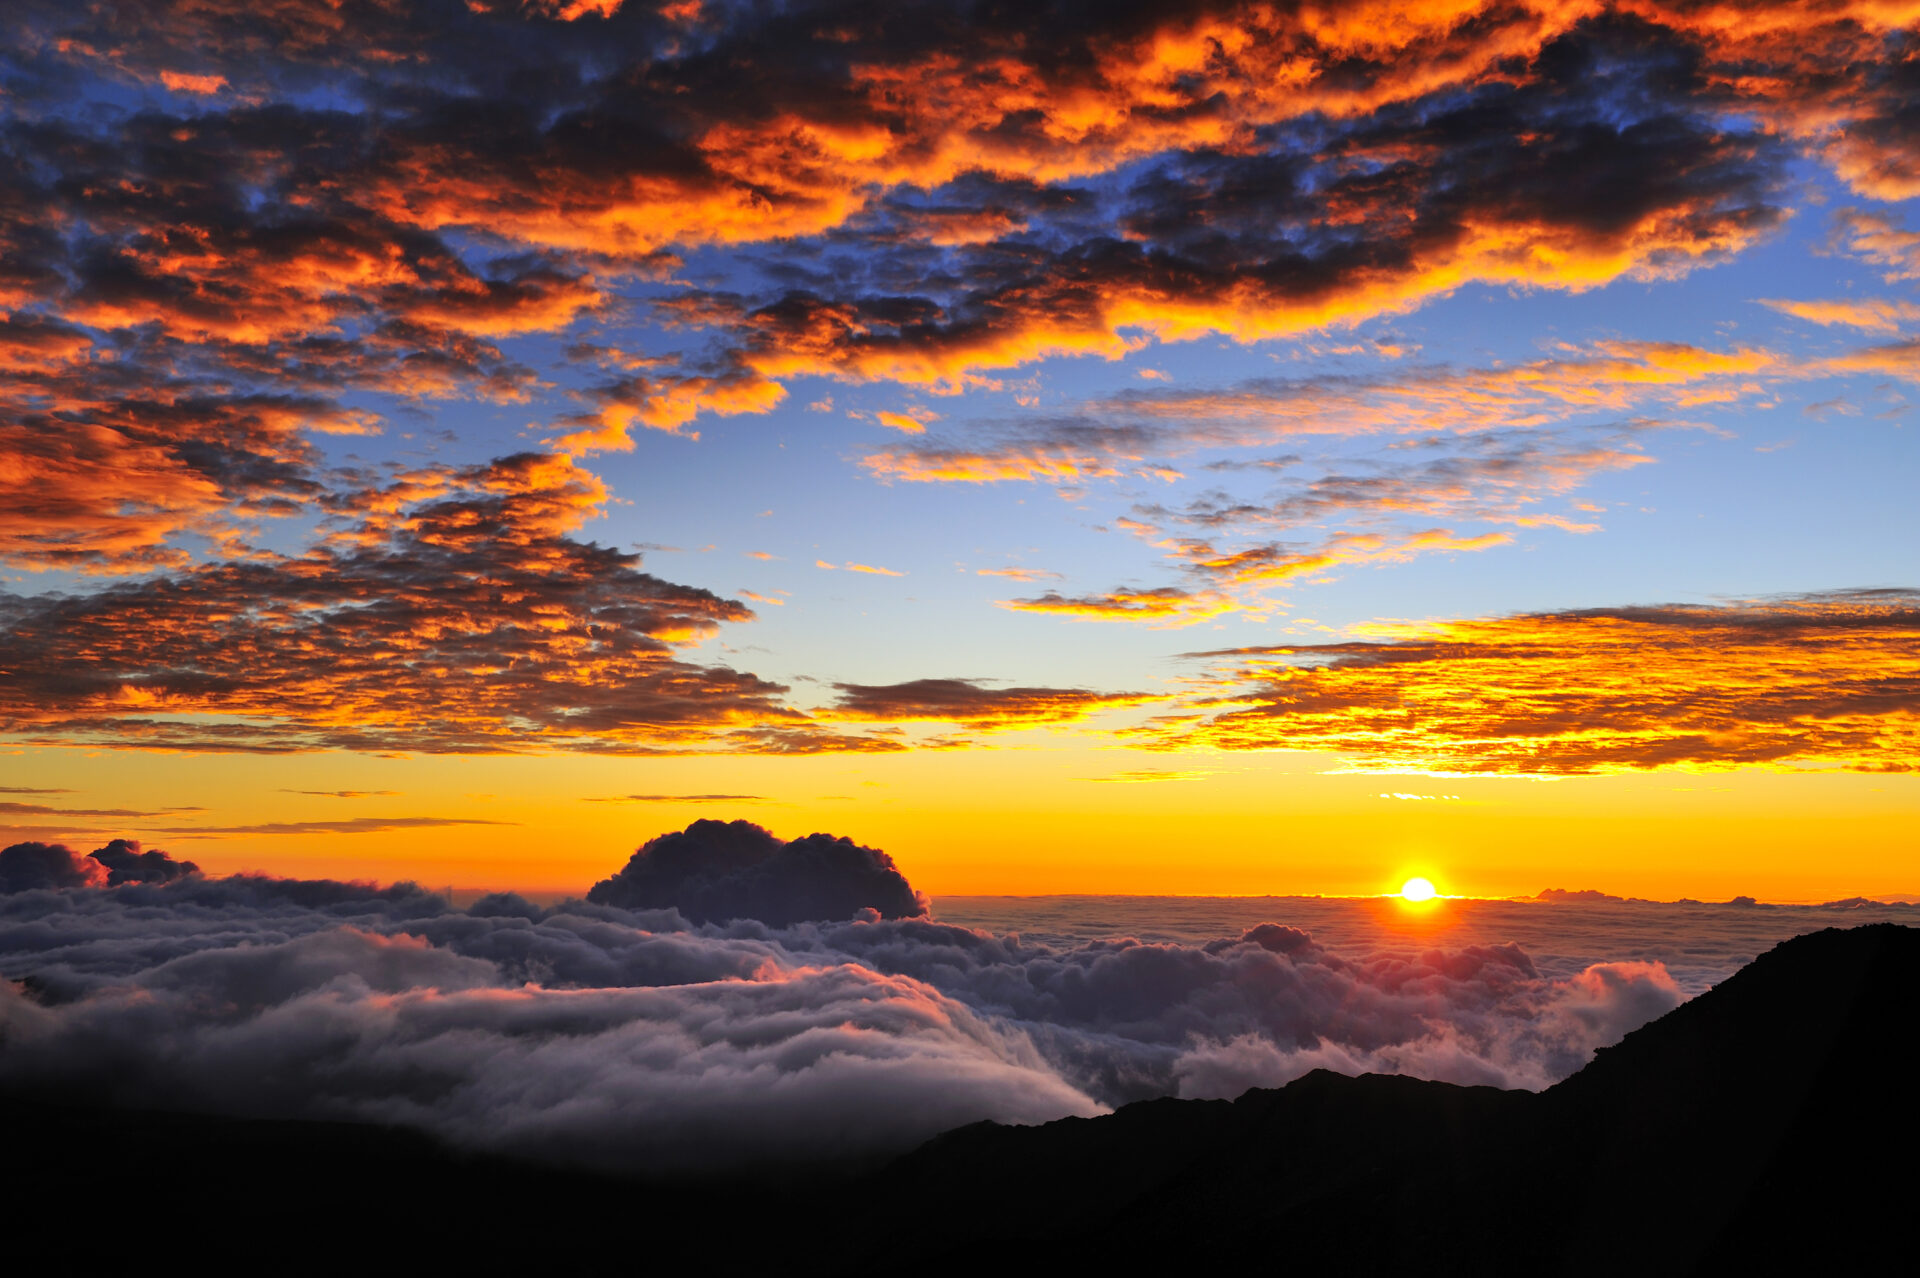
634 1038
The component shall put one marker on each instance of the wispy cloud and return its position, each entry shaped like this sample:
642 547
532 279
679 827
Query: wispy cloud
354 825
678 798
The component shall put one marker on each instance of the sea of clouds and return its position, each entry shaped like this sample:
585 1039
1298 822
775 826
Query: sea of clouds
632 1037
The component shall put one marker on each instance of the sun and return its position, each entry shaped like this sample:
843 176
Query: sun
1418 890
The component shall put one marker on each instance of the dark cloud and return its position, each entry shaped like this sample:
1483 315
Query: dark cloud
952 191
29 867
970 702
127 863
715 871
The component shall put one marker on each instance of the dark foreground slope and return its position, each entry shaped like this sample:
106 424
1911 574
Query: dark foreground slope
1761 1125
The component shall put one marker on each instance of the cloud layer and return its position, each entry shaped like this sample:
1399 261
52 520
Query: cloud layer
633 1038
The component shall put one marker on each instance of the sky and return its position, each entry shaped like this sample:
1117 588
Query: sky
1183 449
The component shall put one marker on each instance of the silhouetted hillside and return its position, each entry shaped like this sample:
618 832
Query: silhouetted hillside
1759 1125
1758 1122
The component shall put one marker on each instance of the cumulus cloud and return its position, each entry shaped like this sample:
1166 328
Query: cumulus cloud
27 867
126 862
716 871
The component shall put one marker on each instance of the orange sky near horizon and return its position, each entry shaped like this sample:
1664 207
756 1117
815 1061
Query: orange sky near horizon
1037 821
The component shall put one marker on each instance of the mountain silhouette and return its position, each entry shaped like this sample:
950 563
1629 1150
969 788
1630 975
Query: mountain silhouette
1755 1126
1760 1127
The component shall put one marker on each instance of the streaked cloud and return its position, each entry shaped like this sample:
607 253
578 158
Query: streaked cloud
972 703
1873 314
1815 681
346 794
679 798
351 825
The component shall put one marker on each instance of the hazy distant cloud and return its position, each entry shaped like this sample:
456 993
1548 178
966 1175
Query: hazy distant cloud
1136 776
346 794
8 809
1827 680
352 825
1018 574
678 798
971 702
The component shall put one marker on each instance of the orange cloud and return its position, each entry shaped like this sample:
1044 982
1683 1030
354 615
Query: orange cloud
902 422
1159 605
1829 681
186 82
451 611
1875 315
667 404
1880 239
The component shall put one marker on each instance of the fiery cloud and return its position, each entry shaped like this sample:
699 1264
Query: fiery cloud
1159 605
312 208
451 612
1286 170
1827 681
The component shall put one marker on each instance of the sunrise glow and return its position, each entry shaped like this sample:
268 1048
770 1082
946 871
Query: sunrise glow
460 448
702 617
